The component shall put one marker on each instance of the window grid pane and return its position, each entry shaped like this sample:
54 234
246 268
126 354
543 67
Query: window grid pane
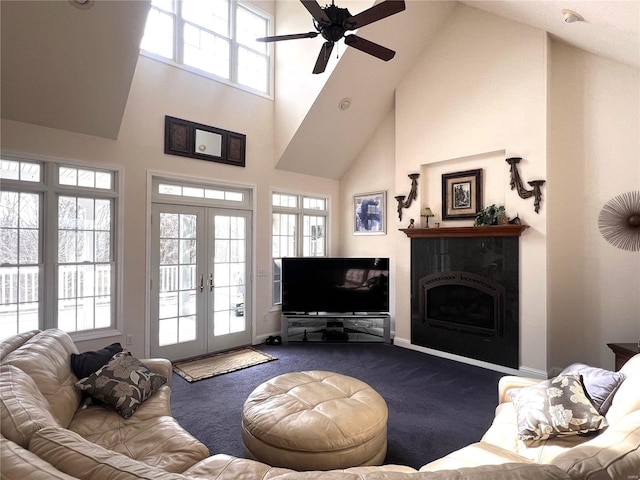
20 257
207 34
286 236
17 170
84 256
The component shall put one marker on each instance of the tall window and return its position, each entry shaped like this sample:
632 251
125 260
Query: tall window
57 249
290 211
215 37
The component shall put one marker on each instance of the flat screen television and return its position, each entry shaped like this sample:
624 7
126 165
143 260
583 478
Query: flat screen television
335 285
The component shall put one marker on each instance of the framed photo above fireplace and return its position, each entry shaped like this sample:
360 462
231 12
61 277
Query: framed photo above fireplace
369 213
461 194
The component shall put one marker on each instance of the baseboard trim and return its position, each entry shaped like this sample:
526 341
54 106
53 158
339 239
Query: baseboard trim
522 371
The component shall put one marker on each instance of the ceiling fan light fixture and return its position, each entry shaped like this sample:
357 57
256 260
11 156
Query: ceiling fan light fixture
570 16
344 104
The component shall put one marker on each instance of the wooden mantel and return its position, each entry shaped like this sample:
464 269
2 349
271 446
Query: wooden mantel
460 232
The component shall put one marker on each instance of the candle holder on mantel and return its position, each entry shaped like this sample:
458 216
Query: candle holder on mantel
413 194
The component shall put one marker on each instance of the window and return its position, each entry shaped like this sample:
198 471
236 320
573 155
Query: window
57 229
214 37
289 240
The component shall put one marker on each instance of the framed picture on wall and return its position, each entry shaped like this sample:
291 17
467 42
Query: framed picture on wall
461 194
369 213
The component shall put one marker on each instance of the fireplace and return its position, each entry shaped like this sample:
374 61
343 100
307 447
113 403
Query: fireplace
465 297
463 302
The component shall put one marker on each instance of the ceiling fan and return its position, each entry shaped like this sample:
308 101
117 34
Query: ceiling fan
332 22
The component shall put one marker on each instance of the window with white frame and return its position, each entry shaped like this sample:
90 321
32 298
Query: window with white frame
57 249
215 37
298 229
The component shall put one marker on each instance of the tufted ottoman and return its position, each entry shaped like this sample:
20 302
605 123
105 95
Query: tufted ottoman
315 421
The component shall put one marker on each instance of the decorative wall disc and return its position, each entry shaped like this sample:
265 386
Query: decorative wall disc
619 221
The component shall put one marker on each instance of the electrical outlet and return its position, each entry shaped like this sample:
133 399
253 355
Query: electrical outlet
262 272
129 339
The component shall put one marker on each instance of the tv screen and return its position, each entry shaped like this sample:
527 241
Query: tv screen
335 285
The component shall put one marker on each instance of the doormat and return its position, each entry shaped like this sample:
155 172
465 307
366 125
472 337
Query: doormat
221 363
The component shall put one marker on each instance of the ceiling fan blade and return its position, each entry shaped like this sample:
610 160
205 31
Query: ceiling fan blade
293 36
375 13
383 53
323 58
316 11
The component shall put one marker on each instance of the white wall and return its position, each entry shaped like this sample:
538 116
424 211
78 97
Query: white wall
594 155
160 90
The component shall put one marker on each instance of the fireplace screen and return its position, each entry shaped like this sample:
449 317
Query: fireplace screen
462 301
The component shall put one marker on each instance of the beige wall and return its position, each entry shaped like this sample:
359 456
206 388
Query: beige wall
486 89
462 107
372 171
594 155
160 90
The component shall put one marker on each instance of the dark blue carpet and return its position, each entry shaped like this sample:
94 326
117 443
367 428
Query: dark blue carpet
435 405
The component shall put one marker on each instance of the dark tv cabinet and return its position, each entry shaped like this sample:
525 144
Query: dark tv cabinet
336 328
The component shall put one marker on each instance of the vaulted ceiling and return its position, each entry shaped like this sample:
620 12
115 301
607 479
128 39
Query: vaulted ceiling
70 67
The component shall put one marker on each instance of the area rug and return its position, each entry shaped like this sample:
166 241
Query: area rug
220 363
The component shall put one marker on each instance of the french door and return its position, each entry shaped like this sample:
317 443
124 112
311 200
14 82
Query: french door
200 298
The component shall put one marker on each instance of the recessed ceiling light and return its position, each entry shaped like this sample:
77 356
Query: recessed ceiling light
344 104
570 16
82 4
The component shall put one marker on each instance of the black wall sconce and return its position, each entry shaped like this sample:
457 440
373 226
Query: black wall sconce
516 182
413 194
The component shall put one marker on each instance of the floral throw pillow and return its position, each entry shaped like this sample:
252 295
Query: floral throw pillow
558 406
124 383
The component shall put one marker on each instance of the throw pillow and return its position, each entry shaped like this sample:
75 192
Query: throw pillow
600 384
84 364
558 406
124 383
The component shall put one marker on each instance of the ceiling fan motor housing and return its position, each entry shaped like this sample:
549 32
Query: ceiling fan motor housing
335 30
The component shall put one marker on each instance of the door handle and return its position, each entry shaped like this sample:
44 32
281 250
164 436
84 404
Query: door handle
201 282
211 282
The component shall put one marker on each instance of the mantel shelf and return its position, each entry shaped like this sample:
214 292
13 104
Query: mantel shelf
461 232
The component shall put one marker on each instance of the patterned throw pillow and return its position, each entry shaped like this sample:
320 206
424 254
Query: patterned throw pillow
558 406
124 383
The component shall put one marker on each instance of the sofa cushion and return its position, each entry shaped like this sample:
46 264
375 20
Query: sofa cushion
45 357
124 383
151 435
69 452
600 384
615 453
558 406
23 409
18 463
84 364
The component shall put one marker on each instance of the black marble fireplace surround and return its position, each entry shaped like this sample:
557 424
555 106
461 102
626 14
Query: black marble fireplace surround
464 297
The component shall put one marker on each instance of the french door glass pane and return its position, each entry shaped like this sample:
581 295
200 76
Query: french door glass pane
177 278
228 274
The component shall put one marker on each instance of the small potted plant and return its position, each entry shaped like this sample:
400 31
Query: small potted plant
492 215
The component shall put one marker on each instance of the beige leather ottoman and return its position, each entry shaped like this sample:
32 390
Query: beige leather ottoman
315 420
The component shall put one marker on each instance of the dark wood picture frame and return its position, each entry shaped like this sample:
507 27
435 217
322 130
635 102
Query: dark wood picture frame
180 139
461 194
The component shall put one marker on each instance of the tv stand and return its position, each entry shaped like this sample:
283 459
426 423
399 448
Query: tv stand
336 327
